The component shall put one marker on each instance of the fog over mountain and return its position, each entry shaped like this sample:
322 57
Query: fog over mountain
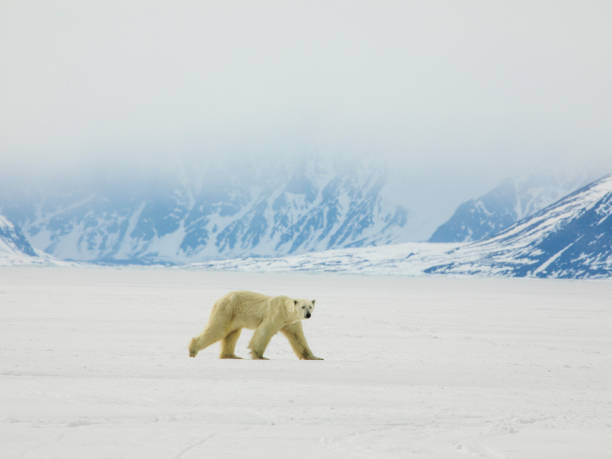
438 87
222 212
121 99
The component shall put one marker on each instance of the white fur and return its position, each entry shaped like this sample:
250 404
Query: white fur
267 315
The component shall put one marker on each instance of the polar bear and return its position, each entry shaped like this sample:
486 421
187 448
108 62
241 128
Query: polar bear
267 315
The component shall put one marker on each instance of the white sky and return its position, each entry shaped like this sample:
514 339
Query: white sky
475 90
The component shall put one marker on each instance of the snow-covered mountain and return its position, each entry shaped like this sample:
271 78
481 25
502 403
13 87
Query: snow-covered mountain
571 238
291 216
507 203
14 247
182 222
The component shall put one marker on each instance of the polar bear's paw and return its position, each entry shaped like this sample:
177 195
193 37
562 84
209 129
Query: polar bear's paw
311 357
256 356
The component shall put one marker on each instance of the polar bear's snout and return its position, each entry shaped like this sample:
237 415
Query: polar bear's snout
305 307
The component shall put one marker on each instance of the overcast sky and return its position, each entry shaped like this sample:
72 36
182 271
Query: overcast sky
477 90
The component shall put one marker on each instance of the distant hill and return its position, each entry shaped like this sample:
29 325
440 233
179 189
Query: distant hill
14 247
571 238
512 200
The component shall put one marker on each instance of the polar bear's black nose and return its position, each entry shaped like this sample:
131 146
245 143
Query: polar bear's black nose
308 315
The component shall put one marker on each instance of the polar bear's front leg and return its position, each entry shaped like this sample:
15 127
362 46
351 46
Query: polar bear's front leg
262 336
295 334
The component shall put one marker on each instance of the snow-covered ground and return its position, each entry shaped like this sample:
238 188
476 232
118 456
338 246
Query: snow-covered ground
93 364
408 259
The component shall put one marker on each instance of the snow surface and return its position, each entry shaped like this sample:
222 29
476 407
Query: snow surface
93 364
409 259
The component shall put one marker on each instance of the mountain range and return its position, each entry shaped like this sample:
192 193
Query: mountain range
570 238
339 223
178 223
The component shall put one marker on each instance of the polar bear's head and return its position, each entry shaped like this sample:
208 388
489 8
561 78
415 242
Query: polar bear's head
304 308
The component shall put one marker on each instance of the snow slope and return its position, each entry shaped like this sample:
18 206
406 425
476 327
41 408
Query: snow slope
409 259
570 238
512 200
93 363
14 247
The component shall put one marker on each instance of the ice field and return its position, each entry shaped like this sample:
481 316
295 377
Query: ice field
94 364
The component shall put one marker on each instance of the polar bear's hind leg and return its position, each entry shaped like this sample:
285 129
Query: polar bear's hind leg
216 330
228 345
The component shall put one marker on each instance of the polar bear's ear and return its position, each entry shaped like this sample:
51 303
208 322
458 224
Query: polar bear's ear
313 302
294 302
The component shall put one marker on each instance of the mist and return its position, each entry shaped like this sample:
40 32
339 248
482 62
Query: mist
446 94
